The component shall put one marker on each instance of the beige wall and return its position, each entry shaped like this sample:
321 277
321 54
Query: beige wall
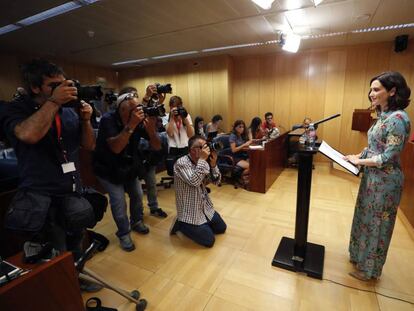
10 75
315 83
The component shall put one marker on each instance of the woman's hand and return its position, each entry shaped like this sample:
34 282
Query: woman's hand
353 158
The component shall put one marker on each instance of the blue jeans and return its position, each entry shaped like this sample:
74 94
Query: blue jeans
118 203
151 186
204 234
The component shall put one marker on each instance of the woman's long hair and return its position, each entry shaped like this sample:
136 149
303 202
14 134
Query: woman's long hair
255 126
196 128
244 135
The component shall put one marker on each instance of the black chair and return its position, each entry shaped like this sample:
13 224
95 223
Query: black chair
230 171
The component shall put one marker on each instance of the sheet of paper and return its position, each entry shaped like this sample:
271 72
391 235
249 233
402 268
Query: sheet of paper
338 157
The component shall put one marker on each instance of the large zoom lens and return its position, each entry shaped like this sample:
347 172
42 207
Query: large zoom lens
85 92
155 111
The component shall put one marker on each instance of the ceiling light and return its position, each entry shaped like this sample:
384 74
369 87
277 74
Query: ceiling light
290 42
174 55
130 61
231 47
264 4
8 28
55 11
66 7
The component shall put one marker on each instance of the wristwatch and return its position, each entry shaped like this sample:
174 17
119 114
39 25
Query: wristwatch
128 129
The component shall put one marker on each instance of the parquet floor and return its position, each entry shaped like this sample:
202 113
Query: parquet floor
173 273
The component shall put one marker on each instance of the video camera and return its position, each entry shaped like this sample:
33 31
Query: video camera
85 92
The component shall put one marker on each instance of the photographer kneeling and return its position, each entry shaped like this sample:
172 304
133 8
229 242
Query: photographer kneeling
117 163
196 217
46 134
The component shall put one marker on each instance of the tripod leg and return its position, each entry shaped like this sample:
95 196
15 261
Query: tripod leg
122 292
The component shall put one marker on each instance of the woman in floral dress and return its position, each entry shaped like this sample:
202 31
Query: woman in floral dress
381 185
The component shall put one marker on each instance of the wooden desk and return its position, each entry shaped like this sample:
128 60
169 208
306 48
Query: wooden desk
267 164
49 286
407 199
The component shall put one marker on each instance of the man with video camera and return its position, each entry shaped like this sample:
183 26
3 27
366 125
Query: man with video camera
196 217
118 165
46 135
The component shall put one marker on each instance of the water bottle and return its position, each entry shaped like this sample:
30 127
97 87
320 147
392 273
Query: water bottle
311 136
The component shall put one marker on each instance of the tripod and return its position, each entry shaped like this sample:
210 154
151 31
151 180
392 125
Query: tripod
90 276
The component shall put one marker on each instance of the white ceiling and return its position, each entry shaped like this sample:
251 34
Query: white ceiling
135 29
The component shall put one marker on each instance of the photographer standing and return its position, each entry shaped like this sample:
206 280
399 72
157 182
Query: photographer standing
179 127
118 165
46 136
153 157
196 217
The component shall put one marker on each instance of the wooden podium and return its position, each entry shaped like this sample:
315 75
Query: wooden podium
361 120
50 286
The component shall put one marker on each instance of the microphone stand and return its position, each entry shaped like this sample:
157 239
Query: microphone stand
298 254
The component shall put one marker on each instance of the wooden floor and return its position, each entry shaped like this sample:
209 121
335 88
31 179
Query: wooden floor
173 273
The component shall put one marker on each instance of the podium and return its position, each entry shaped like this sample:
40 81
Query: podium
298 254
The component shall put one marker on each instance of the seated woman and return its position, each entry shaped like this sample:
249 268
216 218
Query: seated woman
199 127
256 132
213 127
238 141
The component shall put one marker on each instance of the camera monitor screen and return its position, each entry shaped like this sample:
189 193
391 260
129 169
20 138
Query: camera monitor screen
211 135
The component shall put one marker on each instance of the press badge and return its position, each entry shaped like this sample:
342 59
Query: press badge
68 167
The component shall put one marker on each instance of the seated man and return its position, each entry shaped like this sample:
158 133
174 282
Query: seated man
196 217
269 126
118 164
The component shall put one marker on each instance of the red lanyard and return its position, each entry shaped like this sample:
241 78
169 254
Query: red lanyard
58 122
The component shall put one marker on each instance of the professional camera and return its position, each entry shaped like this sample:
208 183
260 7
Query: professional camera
181 112
85 92
111 97
215 146
154 111
164 88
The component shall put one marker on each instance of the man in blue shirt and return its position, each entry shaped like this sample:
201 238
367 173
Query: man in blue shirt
46 137
118 165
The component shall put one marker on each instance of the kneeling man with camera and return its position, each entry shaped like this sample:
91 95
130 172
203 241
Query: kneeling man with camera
118 164
196 217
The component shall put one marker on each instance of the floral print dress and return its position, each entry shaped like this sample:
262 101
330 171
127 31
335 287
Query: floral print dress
379 193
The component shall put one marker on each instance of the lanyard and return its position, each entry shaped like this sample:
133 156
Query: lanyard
58 122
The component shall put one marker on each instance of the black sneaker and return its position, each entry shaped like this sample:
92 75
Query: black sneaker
159 213
126 243
140 227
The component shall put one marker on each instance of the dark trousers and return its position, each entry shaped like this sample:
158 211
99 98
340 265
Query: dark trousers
204 234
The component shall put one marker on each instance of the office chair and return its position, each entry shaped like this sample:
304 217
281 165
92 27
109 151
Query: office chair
230 172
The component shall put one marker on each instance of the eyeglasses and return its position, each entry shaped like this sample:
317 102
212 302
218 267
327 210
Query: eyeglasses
129 96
